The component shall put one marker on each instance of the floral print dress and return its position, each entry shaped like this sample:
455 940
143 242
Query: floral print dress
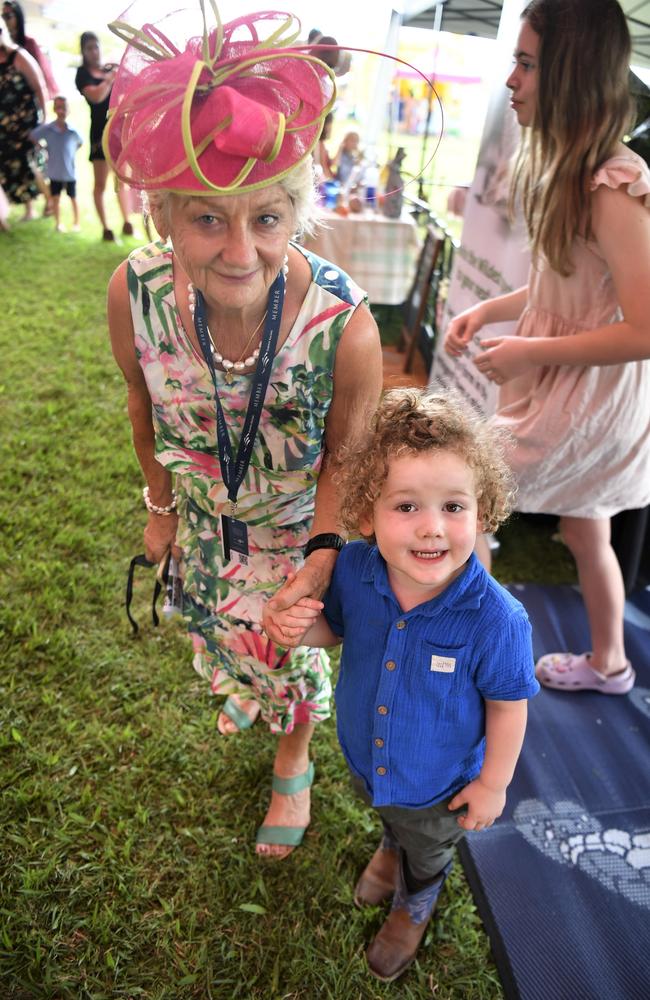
18 116
223 601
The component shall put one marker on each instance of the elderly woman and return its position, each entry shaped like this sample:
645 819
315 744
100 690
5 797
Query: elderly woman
248 362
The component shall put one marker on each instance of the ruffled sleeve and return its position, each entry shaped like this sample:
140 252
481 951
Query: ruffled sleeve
628 168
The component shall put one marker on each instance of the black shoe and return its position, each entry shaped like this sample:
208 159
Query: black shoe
127 229
108 236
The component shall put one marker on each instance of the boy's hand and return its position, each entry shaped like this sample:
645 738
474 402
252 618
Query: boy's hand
484 805
288 626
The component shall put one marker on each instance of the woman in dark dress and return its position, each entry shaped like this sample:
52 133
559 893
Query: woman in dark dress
14 17
95 81
22 99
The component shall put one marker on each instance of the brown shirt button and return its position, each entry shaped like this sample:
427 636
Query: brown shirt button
401 625
381 771
379 742
390 664
382 710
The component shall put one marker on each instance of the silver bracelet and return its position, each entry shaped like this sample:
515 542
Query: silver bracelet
153 509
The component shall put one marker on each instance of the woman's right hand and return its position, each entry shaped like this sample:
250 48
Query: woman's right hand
293 622
462 329
159 536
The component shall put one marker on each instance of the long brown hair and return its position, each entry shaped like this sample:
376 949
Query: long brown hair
583 109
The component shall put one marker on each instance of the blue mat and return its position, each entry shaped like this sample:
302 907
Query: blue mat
562 881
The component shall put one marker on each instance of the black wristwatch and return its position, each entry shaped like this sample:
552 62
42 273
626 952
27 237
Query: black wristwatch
324 541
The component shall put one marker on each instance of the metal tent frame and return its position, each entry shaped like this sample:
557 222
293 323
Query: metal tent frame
481 17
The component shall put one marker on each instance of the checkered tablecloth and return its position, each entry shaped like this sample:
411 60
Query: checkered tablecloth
379 254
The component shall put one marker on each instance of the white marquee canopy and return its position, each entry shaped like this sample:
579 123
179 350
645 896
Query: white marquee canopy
481 17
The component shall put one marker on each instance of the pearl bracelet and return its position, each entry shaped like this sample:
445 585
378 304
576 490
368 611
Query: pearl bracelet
153 509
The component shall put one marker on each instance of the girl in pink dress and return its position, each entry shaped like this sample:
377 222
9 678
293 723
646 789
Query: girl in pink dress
575 380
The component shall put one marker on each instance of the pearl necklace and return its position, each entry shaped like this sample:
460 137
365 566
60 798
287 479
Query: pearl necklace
230 367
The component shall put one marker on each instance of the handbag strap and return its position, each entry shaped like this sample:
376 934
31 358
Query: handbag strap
161 581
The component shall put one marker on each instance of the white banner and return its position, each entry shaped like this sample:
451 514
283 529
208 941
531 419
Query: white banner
493 258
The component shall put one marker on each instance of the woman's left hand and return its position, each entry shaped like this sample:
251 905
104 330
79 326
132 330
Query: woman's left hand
503 358
159 537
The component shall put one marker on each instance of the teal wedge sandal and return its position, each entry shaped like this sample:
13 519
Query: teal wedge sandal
286 836
237 715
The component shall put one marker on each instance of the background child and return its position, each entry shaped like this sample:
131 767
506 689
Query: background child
437 662
62 144
575 380
347 157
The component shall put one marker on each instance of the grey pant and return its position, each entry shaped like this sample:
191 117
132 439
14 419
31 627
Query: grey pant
426 837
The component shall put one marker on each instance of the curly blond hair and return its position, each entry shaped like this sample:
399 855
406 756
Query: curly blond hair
413 421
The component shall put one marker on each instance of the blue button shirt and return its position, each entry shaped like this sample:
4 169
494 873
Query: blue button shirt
412 685
61 149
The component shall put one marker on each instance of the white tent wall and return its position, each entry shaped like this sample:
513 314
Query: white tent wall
493 258
482 17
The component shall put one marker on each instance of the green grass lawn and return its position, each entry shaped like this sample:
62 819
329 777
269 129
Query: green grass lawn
126 861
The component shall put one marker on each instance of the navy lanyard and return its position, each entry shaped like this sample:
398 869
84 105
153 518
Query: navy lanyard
233 470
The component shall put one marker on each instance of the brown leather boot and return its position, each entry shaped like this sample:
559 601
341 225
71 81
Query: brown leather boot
398 940
379 878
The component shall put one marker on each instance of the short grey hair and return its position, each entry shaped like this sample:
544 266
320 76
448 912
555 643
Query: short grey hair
299 185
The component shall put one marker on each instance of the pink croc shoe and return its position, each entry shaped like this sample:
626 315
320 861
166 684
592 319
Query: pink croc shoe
568 672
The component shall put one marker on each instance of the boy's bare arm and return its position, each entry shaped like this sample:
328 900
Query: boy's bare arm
485 797
505 726
320 634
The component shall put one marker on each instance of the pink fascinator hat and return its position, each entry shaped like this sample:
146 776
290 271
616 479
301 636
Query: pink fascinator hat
232 108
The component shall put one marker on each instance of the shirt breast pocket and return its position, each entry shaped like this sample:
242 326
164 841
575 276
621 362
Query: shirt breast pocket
443 673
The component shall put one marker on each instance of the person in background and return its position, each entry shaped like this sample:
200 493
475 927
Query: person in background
95 80
347 157
239 477
437 664
328 49
322 159
4 211
393 199
14 18
22 100
574 383
62 144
